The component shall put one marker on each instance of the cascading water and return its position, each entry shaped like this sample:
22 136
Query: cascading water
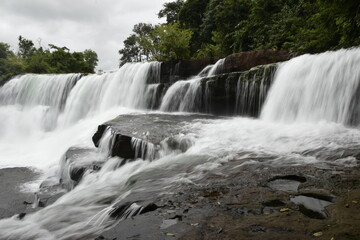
186 95
97 93
103 197
313 88
47 91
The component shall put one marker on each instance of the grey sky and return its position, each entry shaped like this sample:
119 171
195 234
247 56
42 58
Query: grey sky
100 25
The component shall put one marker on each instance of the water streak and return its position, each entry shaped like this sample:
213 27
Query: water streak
313 88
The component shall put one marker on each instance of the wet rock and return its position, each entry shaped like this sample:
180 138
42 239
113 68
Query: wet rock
274 203
288 183
173 71
133 138
179 70
74 164
149 208
245 60
237 93
98 134
122 147
313 205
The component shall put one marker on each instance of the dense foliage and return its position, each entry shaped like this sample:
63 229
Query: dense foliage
30 59
206 28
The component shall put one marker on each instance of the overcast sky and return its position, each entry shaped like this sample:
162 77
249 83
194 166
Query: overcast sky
100 25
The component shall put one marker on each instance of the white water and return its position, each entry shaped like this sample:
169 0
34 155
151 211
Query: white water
186 95
47 93
313 88
83 212
95 94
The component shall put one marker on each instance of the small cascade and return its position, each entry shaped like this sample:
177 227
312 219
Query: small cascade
76 162
183 96
313 88
106 142
205 71
217 68
252 88
153 95
175 144
154 73
49 91
187 95
143 149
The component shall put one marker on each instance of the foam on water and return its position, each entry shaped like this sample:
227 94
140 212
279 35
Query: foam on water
313 88
297 128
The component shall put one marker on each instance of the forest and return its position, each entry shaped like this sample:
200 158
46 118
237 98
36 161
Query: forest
54 59
197 29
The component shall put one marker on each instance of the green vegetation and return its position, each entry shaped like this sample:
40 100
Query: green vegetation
207 28
163 42
30 59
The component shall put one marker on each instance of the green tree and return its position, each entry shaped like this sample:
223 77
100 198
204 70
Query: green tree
4 50
228 15
26 48
138 46
191 17
10 64
171 11
131 50
91 60
173 42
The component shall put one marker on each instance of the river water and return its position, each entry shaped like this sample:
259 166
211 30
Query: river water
310 116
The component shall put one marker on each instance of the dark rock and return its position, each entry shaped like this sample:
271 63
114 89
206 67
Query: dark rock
122 147
74 164
130 129
119 211
76 173
21 216
173 71
98 134
149 208
246 60
290 177
237 93
274 203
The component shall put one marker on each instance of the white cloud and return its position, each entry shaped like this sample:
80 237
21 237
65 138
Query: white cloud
100 25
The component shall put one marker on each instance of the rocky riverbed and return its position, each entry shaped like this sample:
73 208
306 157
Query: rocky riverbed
255 202
244 197
244 200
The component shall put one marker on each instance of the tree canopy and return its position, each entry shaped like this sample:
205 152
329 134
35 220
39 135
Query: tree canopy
30 59
222 27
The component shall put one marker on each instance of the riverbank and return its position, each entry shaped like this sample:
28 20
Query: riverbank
12 192
255 202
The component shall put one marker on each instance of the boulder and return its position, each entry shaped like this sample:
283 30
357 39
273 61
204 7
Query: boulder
132 137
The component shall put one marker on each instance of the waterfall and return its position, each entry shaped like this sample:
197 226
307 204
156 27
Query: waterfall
217 68
32 90
313 88
153 95
97 93
186 95
252 88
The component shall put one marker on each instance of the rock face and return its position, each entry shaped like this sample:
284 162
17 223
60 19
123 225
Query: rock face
246 60
238 93
132 138
173 71
239 87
